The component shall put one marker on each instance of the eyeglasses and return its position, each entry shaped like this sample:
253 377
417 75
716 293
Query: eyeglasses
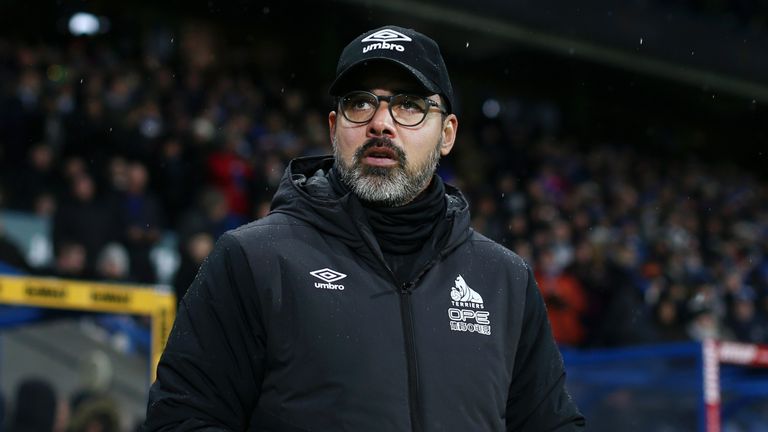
406 110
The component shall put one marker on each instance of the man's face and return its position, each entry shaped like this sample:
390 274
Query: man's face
382 161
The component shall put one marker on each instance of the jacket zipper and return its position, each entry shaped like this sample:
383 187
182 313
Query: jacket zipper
406 313
406 316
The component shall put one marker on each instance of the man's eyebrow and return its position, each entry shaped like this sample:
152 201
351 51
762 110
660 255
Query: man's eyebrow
405 90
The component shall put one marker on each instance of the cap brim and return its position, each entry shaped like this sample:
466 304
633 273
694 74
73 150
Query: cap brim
338 85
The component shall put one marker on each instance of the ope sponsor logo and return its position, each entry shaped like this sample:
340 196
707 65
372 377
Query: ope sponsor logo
480 317
468 320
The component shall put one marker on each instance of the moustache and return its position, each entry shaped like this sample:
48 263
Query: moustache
381 142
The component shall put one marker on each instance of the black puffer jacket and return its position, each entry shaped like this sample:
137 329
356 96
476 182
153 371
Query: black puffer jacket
295 323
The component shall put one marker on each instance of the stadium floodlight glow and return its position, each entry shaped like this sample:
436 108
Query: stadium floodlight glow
84 24
491 108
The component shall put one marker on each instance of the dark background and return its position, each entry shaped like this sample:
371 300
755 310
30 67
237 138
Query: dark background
611 98
682 81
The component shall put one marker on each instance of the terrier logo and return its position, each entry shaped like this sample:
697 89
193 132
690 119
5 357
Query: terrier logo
464 315
461 292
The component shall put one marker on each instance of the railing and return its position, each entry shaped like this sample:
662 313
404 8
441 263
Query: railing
157 302
687 386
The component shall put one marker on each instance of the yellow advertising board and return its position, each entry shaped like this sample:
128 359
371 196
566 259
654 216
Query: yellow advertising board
86 296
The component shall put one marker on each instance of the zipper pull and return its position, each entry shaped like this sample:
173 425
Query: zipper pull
406 288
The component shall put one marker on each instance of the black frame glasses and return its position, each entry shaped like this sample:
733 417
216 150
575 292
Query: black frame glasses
410 110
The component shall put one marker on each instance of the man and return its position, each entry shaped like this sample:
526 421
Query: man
364 301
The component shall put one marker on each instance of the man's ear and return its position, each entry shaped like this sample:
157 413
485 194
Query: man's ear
450 127
332 125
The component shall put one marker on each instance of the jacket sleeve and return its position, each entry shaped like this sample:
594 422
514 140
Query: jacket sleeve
538 400
210 373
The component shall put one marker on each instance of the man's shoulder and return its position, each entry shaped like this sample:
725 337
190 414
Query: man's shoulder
495 251
272 227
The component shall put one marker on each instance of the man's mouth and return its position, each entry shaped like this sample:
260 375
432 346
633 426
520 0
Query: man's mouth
382 156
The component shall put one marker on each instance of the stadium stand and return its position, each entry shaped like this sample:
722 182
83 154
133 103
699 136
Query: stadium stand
125 162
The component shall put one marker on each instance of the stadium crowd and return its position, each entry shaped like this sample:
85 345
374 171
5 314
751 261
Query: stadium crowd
117 148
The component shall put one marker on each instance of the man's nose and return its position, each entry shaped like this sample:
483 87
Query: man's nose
382 123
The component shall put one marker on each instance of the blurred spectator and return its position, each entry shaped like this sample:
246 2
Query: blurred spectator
82 218
262 208
705 313
278 139
514 201
594 272
25 116
95 413
272 168
622 318
564 297
703 325
194 250
140 221
71 261
197 231
96 376
743 320
232 175
113 264
37 408
146 125
486 217
211 215
668 320
10 254
89 133
40 178
177 176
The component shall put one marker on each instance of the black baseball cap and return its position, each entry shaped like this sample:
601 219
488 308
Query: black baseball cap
415 52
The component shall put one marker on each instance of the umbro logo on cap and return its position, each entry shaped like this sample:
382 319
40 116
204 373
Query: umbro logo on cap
387 35
418 54
385 40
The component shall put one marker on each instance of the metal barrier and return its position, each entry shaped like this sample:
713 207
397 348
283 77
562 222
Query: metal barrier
156 302
688 386
710 386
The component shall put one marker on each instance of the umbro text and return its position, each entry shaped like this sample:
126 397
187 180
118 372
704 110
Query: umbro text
329 286
384 45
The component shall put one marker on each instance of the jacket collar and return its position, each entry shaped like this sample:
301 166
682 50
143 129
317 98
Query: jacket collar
306 194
